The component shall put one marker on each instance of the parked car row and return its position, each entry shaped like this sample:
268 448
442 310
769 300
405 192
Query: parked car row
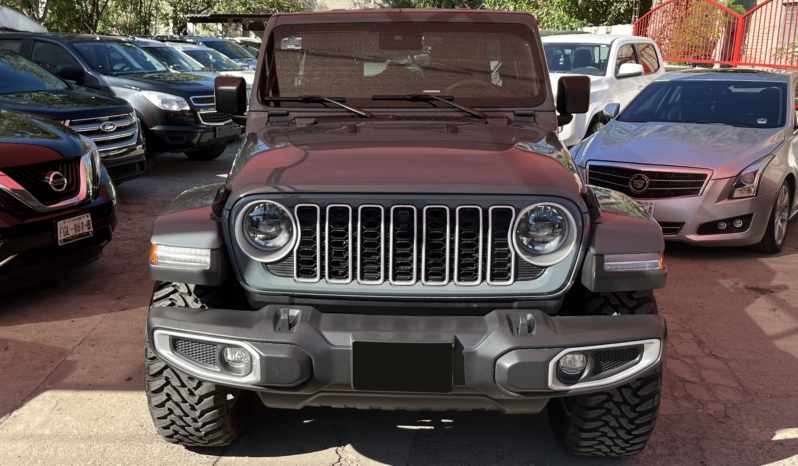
164 97
78 111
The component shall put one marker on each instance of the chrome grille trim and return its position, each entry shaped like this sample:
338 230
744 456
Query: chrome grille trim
424 246
360 278
122 136
213 123
327 246
457 259
415 248
652 168
203 104
299 240
509 243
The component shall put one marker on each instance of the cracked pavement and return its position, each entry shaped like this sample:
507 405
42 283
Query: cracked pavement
71 370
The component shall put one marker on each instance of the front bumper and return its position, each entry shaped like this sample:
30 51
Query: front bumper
30 252
303 357
178 138
125 164
713 206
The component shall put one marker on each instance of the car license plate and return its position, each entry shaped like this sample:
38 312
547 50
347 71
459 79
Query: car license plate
403 367
647 206
75 228
226 130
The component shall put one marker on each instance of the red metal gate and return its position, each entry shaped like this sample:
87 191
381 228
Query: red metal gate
704 31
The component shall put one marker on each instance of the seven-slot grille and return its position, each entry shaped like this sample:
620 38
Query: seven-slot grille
403 245
34 179
122 132
661 184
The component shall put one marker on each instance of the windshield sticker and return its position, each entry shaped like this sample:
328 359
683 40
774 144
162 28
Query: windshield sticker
291 43
762 121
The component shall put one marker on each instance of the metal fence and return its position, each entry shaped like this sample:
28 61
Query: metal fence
706 32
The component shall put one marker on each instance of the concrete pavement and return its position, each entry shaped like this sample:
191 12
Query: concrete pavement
71 372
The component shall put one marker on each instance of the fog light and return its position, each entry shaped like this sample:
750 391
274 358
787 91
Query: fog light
738 223
722 226
238 360
571 367
184 258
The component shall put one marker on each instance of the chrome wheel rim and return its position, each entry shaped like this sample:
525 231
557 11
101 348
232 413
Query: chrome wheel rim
782 214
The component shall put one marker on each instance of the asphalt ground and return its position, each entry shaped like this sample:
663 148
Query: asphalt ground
71 372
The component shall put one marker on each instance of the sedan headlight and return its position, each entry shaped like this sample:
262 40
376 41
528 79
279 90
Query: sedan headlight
166 101
266 231
747 182
545 234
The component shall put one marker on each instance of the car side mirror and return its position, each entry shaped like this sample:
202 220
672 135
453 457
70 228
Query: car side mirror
629 70
69 73
573 96
611 110
231 97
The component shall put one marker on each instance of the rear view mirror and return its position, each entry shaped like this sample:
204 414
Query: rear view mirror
231 97
611 110
573 95
69 73
628 70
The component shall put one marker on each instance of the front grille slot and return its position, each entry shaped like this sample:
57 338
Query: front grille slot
373 243
215 118
662 183
468 245
34 179
404 231
501 256
339 244
202 353
436 245
605 361
308 248
203 100
671 228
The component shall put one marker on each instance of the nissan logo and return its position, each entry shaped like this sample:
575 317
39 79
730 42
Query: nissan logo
639 183
107 127
56 180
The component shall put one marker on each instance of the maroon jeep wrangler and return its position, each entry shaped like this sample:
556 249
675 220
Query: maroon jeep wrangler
402 229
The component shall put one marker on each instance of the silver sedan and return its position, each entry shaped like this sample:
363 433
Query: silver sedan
711 155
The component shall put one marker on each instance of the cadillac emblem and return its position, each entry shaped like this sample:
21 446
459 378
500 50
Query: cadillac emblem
639 183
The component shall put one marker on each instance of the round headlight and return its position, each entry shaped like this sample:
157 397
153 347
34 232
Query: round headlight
268 231
541 231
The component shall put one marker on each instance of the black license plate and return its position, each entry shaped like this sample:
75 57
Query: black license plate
402 367
225 131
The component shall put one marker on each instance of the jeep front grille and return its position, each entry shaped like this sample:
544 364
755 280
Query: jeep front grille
663 182
122 132
403 245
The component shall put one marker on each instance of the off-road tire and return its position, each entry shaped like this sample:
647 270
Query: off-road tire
617 422
187 411
597 126
769 244
206 153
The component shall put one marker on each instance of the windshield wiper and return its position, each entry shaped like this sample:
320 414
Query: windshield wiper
707 122
429 98
317 99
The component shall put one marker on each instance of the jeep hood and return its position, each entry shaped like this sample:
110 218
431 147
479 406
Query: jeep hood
724 149
384 158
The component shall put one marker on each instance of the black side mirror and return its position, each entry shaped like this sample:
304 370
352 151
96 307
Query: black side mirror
573 95
231 97
69 73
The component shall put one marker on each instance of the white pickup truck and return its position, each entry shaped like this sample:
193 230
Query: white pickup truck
619 67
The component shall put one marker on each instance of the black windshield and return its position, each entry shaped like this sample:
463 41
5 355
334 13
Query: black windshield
479 65
19 75
174 59
739 103
118 58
